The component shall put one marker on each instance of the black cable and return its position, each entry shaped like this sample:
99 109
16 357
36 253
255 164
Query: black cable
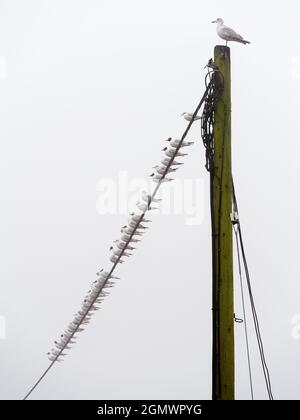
253 308
244 311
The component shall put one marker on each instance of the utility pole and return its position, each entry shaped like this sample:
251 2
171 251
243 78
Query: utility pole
221 203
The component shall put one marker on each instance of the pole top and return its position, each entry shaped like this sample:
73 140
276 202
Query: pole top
222 49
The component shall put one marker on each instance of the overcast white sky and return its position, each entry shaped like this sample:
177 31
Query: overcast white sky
91 88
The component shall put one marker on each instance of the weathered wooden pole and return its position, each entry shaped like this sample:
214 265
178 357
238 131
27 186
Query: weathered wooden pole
221 202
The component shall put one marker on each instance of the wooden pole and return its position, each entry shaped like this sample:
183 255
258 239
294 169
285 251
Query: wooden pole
221 202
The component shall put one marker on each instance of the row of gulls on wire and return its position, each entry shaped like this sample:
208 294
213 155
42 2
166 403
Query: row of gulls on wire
123 247
89 306
168 164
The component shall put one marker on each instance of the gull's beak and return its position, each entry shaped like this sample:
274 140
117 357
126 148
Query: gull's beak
214 21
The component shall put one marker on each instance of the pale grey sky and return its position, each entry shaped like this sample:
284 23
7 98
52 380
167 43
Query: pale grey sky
91 88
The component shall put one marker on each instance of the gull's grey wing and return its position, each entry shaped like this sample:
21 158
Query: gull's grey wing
230 33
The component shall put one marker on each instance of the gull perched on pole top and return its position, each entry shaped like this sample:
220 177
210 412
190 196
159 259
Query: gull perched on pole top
227 33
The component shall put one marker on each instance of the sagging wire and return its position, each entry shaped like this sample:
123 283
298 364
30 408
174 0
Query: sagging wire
235 221
123 247
240 245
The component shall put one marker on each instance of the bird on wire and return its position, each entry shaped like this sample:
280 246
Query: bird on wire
227 33
189 116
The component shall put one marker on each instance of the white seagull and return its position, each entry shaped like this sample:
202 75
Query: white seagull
162 169
227 33
171 151
175 143
188 116
166 161
147 197
158 178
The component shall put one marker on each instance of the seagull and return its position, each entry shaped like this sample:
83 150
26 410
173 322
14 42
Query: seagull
188 116
134 225
115 259
175 143
148 198
125 238
143 207
158 178
171 151
100 272
59 345
54 358
227 33
137 218
119 252
166 162
65 336
162 169
129 231
122 245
